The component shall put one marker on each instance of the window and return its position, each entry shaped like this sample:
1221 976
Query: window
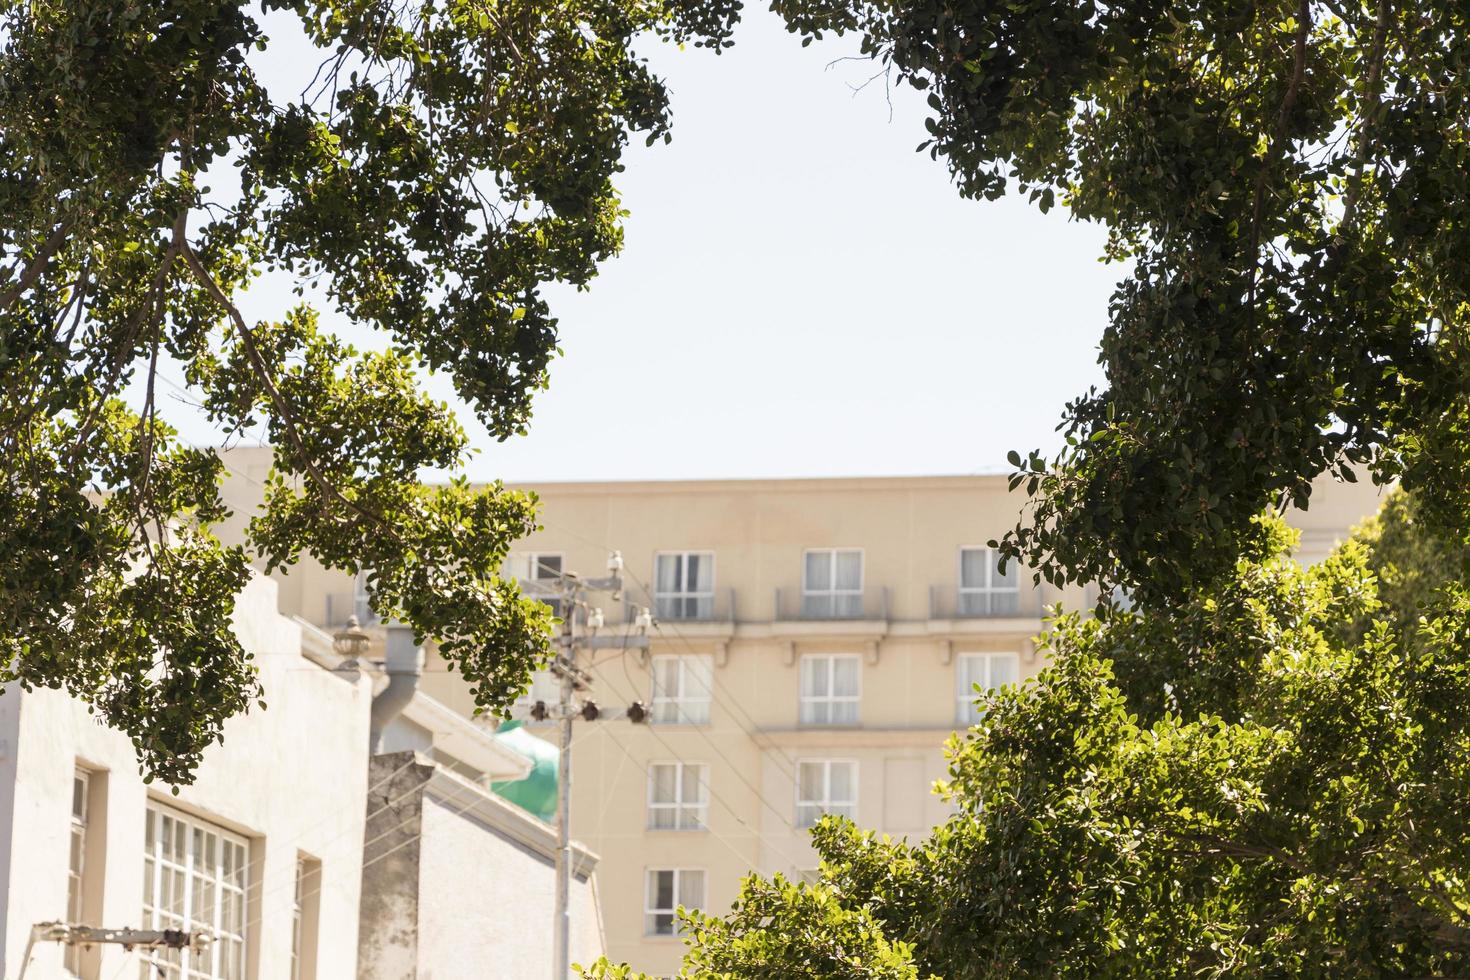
678 796
831 687
832 584
681 690
534 566
986 671
76 864
665 891
194 877
984 589
304 912
684 585
825 786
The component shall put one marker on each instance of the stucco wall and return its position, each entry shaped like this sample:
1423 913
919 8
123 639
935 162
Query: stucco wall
458 884
290 778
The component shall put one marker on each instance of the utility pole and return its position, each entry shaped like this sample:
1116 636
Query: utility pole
570 590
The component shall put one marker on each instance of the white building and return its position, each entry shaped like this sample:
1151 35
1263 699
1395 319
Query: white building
268 851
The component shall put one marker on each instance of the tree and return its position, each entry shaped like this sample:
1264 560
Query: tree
450 157
1232 789
1288 181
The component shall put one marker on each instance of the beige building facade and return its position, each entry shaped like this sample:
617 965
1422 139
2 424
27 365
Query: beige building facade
815 644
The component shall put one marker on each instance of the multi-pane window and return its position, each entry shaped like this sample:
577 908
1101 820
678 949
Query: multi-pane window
194 877
831 688
825 786
534 566
984 589
985 671
684 585
678 796
832 584
77 863
681 689
665 891
304 908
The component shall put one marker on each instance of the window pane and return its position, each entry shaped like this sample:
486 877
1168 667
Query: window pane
699 677
691 889
810 781
845 674
1002 671
849 570
814 677
973 564
818 571
663 890
843 778
700 574
547 566
666 574
844 713
663 778
1012 576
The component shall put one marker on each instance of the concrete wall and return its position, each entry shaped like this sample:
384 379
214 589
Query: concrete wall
291 779
459 884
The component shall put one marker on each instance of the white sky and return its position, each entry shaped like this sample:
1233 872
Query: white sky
800 293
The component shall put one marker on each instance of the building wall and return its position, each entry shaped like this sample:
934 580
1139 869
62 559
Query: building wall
910 530
460 885
290 778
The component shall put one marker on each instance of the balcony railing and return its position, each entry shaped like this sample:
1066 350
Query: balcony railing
792 605
947 602
715 607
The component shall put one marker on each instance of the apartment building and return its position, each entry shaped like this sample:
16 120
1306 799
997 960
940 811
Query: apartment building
816 643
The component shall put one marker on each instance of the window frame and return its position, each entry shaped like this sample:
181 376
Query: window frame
989 591
826 804
833 595
169 964
650 892
965 711
679 806
700 600
682 716
76 862
831 700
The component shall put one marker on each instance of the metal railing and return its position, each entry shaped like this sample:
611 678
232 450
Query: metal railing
948 602
797 605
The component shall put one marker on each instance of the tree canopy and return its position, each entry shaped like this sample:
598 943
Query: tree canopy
448 159
1238 788
1290 183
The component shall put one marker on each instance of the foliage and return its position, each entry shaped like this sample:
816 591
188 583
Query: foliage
1289 182
1232 789
1412 559
449 157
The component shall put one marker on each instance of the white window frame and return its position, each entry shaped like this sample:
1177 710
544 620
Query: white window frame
833 595
681 708
674 605
985 596
76 862
687 815
808 703
966 713
816 809
228 871
650 891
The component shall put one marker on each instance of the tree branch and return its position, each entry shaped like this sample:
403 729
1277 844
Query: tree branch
1370 111
283 410
37 265
1279 133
